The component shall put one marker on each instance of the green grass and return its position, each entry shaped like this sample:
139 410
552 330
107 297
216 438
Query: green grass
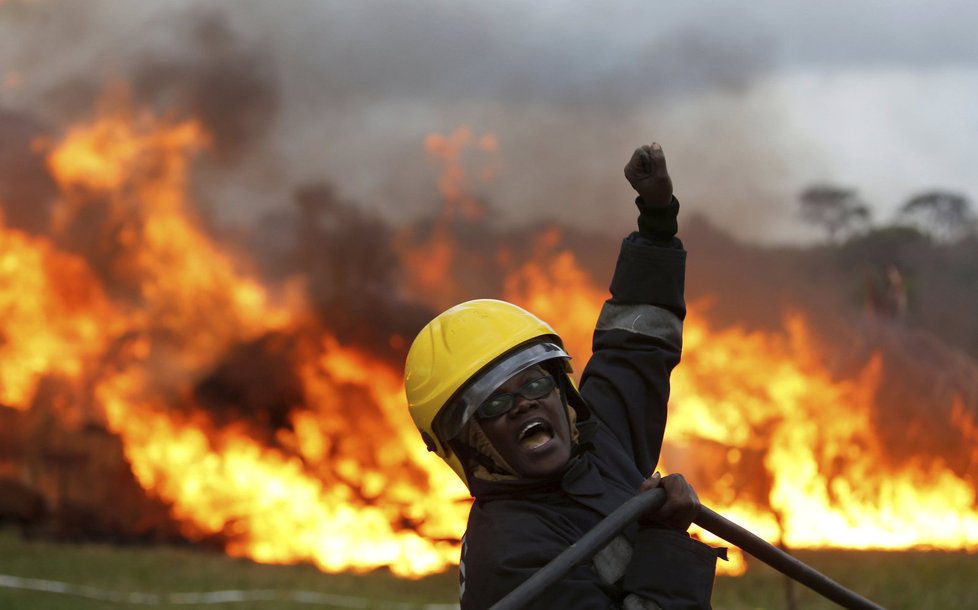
167 570
897 581
913 580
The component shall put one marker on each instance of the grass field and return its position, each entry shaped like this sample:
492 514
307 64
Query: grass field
908 581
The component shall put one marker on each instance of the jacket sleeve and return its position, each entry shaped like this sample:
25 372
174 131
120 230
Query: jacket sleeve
637 343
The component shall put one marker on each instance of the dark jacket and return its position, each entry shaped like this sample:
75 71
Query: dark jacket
517 527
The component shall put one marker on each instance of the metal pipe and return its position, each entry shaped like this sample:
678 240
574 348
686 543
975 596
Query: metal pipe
781 561
610 526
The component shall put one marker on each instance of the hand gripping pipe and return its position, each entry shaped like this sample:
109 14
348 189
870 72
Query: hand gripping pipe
603 532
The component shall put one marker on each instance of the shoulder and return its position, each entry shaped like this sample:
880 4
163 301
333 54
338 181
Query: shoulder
524 532
521 519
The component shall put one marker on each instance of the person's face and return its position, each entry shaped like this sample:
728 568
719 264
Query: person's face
534 435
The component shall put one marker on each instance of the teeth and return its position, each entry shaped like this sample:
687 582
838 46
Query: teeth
528 428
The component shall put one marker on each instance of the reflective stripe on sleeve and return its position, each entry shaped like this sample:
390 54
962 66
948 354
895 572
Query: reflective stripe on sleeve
646 320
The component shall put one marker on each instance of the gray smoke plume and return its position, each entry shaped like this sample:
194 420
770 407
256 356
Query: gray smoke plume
346 92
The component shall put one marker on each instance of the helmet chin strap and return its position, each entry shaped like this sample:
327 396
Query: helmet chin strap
564 389
479 456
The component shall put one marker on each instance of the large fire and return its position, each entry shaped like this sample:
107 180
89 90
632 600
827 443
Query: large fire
134 306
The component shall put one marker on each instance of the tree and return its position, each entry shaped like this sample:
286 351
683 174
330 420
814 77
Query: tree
944 215
838 210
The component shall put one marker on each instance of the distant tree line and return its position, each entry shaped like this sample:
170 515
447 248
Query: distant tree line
919 269
841 213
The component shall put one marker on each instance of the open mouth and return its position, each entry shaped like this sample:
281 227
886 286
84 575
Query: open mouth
535 434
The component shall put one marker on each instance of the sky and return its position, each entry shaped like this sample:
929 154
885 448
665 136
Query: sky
752 102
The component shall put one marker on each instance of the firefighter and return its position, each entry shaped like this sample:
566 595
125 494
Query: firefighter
489 386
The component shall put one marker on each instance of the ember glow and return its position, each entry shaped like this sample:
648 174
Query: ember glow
135 307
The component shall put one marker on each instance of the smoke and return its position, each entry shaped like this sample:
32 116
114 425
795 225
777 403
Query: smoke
747 102
230 88
26 189
346 93
352 269
318 113
919 327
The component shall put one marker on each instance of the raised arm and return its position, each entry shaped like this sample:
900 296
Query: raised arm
638 337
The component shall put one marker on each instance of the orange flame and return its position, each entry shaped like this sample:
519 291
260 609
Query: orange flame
768 398
186 287
146 308
829 482
453 184
274 505
52 312
431 257
325 495
810 437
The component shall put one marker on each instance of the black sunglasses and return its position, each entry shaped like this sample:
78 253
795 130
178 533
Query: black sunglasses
501 403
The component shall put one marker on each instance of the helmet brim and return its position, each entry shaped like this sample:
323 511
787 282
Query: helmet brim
460 410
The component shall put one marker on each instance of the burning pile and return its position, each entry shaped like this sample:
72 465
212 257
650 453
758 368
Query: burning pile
151 383
146 328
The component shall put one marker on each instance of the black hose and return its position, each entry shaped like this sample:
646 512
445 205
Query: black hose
603 532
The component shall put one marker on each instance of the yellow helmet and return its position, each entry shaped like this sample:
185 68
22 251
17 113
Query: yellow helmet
442 373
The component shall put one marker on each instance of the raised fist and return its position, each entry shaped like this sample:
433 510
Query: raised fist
646 172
